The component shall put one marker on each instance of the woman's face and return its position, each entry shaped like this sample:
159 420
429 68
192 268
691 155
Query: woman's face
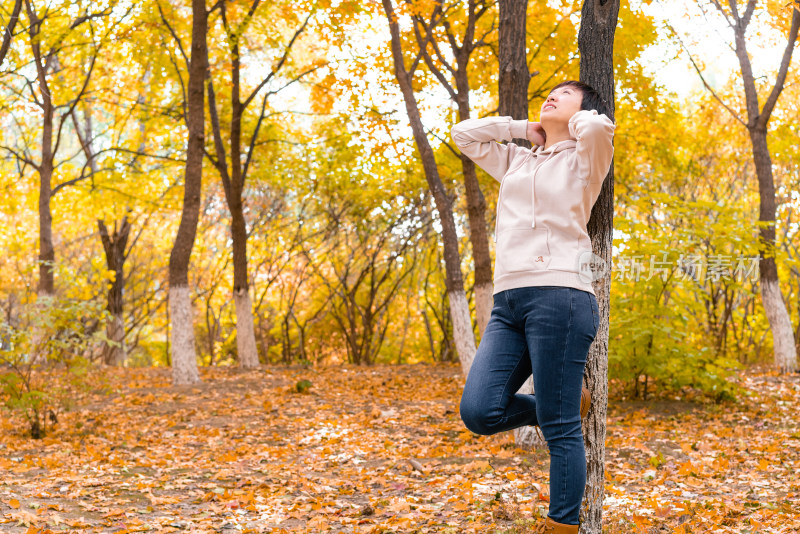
559 107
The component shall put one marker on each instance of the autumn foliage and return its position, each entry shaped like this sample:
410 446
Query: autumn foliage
382 449
320 264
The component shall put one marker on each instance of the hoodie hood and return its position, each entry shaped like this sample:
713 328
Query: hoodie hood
556 147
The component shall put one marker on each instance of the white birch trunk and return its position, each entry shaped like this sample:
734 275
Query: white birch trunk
484 302
184 359
245 333
526 437
462 329
780 325
115 331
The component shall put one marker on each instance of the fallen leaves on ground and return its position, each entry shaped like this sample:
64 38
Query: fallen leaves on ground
382 450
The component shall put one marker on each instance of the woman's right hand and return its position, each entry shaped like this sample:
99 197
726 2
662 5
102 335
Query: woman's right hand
536 133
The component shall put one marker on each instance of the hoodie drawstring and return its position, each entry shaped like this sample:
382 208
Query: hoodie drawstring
533 196
533 219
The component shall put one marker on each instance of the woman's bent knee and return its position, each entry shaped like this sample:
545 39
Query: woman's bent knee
477 419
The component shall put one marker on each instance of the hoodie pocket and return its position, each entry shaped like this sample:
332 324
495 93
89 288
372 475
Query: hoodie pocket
522 249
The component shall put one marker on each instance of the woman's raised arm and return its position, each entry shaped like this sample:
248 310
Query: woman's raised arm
477 139
594 149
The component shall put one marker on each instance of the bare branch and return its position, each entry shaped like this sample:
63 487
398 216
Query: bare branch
275 70
702 78
719 8
89 16
77 99
455 152
19 157
772 99
221 163
68 183
296 79
251 148
172 32
183 86
423 49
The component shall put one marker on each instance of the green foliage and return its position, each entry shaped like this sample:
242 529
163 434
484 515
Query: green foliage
302 386
44 355
657 461
679 295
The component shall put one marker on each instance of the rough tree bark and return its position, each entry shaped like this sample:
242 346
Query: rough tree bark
512 51
115 247
596 45
184 358
45 168
454 281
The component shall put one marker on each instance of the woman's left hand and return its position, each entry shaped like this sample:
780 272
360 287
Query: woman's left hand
536 133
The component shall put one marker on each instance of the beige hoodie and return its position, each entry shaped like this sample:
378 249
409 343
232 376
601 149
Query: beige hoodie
545 198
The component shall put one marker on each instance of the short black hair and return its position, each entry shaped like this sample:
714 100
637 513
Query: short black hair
591 98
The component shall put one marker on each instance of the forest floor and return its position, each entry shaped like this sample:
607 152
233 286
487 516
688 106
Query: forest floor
382 450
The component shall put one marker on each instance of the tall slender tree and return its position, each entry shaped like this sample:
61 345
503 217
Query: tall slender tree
58 102
596 46
234 176
785 355
459 308
184 358
462 48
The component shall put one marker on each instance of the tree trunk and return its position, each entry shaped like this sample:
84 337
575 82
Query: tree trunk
233 185
459 308
46 249
114 246
47 255
184 358
9 29
771 296
512 50
512 90
596 45
184 362
245 333
476 208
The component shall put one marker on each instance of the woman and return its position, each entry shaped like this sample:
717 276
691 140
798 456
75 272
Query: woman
545 313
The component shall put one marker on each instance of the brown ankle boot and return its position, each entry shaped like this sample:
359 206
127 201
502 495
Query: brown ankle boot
586 401
551 527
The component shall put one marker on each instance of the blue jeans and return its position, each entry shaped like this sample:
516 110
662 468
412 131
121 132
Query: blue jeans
545 331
